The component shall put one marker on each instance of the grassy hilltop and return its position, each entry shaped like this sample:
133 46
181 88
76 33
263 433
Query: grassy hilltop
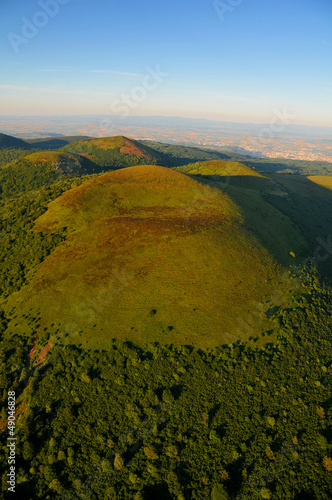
150 254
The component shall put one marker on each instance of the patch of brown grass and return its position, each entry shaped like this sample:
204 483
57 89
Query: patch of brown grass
131 149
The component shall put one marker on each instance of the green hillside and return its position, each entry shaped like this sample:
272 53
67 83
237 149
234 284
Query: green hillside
42 168
182 155
54 142
309 206
255 196
324 181
289 214
115 152
7 141
150 254
219 169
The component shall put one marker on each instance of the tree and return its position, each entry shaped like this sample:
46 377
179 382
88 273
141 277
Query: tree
118 462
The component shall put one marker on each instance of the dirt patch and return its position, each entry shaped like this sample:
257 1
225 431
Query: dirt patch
33 351
130 149
43 353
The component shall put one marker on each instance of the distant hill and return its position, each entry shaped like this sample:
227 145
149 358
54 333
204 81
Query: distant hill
181 155
219 168
55 142
115 152
42 168
7 141
150 254
154 152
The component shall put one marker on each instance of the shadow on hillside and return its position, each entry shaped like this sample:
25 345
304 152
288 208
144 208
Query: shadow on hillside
54 142
181 161
180 155
264 203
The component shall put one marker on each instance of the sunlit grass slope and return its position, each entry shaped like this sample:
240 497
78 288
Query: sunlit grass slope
322 180
218 168
150 255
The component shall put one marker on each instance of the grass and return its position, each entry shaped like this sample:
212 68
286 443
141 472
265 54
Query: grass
321 180
105 142
218 168
151 255
309 206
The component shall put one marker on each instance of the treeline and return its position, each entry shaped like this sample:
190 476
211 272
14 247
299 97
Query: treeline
11 154
21 248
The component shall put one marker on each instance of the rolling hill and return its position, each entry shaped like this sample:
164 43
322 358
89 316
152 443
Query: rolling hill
220 169
115 152
182 155
30 170
54 142
42 168
150 254
8 141
280 210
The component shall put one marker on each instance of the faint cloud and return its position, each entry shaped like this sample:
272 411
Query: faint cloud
235 97
59 69
59 91
100 71
13 87
113 72
44 89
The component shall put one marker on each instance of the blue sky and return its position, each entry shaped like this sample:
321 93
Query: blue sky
240 61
